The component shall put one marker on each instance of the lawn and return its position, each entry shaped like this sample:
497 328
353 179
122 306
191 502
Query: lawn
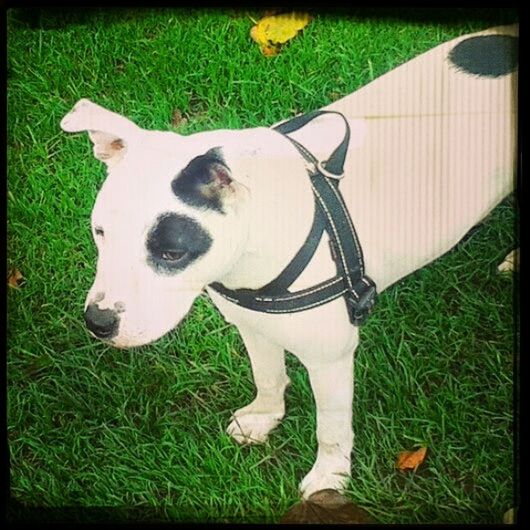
140 433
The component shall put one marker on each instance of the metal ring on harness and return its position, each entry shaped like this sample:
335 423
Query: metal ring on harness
323 171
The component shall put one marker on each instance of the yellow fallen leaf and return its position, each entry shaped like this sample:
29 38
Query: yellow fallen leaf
408 460
272 31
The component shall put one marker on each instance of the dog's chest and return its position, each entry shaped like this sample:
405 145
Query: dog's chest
311 333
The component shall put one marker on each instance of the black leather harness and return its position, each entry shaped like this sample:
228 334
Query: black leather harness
331 215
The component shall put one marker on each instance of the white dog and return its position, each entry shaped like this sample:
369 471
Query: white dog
431 151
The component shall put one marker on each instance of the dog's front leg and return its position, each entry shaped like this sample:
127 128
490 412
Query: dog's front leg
252 424
332 384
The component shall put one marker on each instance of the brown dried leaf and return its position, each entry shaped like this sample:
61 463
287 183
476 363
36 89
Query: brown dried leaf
326 507
178 119
333 96
410 460
14 278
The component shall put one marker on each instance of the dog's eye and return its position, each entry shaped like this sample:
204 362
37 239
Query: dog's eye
99 231
172 255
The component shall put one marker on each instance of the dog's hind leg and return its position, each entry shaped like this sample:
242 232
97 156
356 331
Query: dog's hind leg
252 424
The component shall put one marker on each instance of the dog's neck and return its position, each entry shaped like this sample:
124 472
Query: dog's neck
279 211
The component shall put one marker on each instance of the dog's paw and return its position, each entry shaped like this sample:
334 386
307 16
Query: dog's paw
325 476
252 428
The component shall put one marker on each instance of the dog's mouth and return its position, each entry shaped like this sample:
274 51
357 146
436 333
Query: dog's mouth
144 322
117 342
105 336
122 340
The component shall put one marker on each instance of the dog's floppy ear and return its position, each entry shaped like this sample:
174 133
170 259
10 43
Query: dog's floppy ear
110 133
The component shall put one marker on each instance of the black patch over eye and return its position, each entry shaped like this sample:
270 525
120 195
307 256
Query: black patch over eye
99 231
202 181
174 242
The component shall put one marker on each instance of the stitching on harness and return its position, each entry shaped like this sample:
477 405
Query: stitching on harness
335 231
339 198
352 230
226 296
293 296
309 306
341 250
308 155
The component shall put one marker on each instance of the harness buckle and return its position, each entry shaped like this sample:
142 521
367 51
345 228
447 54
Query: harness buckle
360 308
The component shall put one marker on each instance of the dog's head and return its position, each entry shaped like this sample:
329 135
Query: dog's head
168 220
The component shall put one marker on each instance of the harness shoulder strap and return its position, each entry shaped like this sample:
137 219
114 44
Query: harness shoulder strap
335 163
331 215
302 258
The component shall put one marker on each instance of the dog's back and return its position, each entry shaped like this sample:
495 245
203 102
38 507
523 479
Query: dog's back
433 149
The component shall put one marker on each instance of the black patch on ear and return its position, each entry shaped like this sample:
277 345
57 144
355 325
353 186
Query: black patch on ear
200 183
174 234
487 55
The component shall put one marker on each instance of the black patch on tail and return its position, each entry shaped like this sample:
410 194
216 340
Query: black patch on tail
486 55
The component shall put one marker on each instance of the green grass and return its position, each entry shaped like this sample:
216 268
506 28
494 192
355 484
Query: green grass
91 426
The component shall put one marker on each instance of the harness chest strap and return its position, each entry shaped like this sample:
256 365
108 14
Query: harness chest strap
331 215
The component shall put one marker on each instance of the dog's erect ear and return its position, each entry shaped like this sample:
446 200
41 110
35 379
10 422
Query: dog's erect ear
206 182
109 132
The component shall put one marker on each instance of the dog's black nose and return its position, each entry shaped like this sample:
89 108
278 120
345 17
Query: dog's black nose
103 323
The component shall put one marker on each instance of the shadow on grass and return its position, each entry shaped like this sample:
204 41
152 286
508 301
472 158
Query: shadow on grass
61 18
20 513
